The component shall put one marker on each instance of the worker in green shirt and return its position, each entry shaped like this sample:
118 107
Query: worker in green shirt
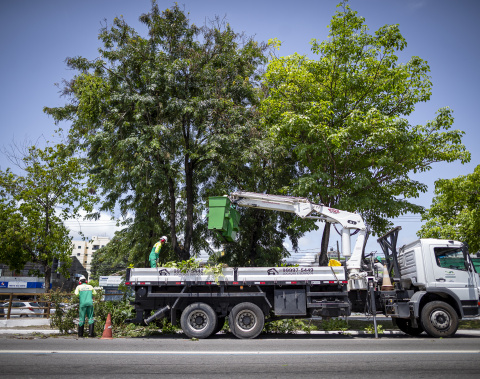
155 253
85 292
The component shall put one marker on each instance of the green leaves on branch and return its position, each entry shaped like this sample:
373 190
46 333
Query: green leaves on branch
158 116
342 116
455 211
35 205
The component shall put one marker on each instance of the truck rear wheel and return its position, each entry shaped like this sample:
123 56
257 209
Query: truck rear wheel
198 320
246 320
405 325
439 319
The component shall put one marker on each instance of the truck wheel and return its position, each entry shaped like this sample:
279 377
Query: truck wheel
405 325
246 320
220 324
439 319
198 320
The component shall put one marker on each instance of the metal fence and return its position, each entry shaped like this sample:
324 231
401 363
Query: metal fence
9 301
9 307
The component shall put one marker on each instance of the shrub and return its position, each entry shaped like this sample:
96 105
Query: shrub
370 329
287 326
335 324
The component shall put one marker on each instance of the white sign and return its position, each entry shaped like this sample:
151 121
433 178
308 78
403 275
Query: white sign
16 284
107 281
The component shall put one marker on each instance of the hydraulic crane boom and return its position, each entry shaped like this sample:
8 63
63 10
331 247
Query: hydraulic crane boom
303 208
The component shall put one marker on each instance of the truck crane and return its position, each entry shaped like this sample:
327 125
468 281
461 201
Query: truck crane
305 209
427 293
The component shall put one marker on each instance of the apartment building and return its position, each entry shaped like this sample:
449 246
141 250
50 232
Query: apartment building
84 250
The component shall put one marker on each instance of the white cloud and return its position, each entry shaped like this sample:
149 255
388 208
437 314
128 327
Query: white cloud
103 227
417 4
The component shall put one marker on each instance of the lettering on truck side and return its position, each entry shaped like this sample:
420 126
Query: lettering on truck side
296 271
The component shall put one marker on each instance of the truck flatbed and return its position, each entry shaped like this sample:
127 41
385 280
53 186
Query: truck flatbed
238 276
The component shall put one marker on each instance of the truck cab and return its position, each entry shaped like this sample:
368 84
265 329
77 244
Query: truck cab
436 285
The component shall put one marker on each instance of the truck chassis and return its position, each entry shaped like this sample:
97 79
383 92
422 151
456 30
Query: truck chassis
245 295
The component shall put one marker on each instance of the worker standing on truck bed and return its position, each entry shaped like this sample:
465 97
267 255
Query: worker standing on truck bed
155 253
85 292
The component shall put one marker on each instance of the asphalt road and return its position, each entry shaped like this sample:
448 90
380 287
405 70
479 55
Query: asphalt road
223 356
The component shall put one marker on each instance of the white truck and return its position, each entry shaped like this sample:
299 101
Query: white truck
429 286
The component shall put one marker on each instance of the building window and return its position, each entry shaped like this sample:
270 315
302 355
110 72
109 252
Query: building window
96 247
79 247
78 254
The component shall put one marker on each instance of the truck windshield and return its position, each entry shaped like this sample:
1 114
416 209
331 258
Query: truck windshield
450 257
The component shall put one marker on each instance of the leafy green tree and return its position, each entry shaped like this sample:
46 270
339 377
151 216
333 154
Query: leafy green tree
455 211
33 207
261 236
107 261
156 116
343 118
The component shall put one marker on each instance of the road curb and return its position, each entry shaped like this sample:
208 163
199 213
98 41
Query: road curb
29 331
20 322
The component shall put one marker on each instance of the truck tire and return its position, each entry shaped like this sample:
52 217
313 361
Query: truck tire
198 320
405 325
439 319
246 320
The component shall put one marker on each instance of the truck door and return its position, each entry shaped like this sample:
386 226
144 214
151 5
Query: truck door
452 270
476 276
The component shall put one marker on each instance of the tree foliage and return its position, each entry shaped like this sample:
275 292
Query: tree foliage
261 237
343 118
33 207
455 211
157 116
107 260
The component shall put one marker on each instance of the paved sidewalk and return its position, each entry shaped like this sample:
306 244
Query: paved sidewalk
28 325
23 322
29 331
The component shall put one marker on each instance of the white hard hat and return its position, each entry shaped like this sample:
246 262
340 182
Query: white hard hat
163 238
82 279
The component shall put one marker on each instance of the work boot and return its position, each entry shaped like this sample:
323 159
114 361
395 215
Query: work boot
80 330
91 330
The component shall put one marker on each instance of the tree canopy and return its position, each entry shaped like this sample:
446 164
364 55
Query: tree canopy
186 112
158 117
343 118
455 211
33 207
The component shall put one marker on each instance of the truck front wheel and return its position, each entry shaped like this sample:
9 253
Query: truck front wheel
246 320
405 325
439 319
198 320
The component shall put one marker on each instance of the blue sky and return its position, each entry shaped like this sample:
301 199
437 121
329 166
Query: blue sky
37 36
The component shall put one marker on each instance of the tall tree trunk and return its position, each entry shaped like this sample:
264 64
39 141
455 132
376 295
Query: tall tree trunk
48 275
259 216
173 234
323 258
189 211
151 238
153 213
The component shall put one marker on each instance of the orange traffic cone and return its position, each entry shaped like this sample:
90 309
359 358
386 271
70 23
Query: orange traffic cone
386 283
107 332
